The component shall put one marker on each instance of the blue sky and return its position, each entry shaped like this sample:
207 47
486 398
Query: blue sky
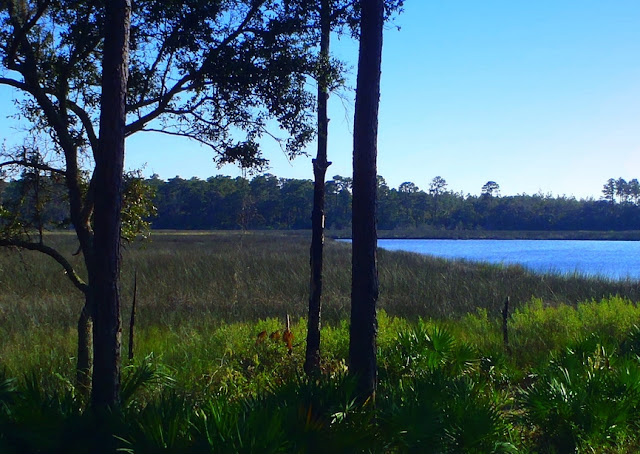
538 96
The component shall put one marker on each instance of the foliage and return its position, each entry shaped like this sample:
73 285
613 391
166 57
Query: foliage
423 349
587 396
246 276
445 378
443 388
38 201
274 203
198 69
269 202
627 192
216 72
438 412
137 207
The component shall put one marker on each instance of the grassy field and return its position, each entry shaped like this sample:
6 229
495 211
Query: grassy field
246 276
570 378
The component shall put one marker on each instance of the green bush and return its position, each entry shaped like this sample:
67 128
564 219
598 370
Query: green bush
587 396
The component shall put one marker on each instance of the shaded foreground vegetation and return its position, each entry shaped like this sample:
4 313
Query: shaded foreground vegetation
202 382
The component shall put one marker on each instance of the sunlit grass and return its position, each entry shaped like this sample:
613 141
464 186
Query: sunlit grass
203 299
241 276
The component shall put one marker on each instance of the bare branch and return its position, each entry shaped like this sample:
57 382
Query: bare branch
187 135
54 254
33 165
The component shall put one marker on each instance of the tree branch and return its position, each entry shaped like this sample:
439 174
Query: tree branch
164 100
86 122
33 165
54 254
187 135
75 108
87 208
16 84
21 31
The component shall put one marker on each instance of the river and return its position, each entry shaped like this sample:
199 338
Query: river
611 259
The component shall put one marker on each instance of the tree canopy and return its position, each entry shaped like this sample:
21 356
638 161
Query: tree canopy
269 202
222 73
214 71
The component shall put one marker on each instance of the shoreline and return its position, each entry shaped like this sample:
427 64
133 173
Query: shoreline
583 235
418 234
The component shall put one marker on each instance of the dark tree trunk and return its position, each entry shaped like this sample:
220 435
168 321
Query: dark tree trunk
364 286
320 164
85 329
132 319
109 159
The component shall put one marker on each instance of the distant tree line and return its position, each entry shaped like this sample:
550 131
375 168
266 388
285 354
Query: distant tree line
269 202
625 191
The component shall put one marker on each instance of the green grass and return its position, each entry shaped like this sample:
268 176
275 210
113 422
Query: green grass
202 383
444 387
236 276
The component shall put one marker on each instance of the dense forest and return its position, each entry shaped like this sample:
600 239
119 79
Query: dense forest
269 202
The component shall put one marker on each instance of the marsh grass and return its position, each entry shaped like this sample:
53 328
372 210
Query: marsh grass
203 298
242 276
191 285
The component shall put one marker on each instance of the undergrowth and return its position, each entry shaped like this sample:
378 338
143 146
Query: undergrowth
203 380
443 387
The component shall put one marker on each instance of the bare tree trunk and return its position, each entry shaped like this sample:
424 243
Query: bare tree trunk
320 165
364 286
85 329
132 319
505 325
108 176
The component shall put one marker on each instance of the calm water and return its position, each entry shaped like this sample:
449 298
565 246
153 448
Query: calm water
613 259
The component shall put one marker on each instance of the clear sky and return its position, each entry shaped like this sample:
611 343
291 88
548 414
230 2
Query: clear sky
539 96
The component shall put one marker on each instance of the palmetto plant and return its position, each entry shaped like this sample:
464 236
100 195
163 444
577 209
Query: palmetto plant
631 344
162 425
438 412
300 416
588 396
434 400
147 376
420 349
41 416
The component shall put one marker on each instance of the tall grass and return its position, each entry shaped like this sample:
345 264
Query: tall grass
241 276
202 381
190 283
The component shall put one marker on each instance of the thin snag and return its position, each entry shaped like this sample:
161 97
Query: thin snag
287 336
505 325
132 320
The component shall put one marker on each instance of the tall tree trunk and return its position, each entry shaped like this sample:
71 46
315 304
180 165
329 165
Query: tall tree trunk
109 159
320 165
364 274
85 329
